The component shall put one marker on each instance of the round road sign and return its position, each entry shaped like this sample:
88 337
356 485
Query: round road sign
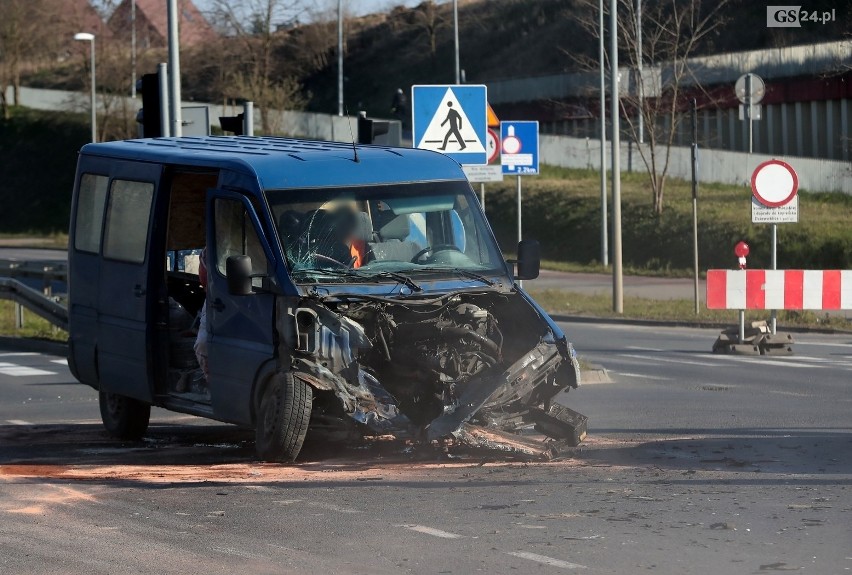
511 144
493 148
774 183
758 89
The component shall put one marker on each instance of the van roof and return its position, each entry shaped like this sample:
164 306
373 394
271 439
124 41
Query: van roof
287 162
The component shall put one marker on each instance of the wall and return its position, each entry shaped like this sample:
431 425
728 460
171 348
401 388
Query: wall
714 166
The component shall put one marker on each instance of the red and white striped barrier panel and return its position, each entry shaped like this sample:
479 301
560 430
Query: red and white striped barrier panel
779 289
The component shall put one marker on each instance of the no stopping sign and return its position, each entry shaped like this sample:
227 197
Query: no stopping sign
774 183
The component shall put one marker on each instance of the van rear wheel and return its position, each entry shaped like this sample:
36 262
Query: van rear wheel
124 417
283 415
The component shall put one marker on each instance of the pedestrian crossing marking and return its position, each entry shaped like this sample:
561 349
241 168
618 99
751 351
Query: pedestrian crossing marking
450 129
21 370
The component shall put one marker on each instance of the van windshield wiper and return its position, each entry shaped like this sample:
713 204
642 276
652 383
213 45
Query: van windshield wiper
459 271
401 278
313 273
362 275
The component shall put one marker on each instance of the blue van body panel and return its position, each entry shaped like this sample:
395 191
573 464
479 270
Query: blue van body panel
278 163
257 164
352 344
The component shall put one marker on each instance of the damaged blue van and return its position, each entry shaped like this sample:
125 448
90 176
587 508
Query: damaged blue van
350 289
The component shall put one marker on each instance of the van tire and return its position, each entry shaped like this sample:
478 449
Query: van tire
124 417
283 414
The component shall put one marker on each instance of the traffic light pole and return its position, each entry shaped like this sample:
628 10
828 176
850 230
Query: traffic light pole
163 82
617 277
174 70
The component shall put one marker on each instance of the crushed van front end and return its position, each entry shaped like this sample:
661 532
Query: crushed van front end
474 368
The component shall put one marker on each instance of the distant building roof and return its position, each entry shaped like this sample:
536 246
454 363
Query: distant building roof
152 28
81 16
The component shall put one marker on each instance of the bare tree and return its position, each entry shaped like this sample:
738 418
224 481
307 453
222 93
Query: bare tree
25 35
430 21
671 32
251 26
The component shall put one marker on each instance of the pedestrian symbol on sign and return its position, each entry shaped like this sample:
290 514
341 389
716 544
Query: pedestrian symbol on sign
455 120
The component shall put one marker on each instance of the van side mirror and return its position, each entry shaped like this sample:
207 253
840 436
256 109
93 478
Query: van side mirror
238 271
529 260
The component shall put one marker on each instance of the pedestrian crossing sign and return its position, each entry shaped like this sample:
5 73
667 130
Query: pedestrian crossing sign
451 119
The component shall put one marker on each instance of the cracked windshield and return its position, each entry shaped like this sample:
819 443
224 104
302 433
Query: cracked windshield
388 232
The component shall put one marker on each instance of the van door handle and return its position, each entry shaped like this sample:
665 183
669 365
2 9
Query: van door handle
218 304
138 290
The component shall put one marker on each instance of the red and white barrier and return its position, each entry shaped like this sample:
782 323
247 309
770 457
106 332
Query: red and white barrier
779 289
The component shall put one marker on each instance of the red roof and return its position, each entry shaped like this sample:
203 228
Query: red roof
152 22
82 17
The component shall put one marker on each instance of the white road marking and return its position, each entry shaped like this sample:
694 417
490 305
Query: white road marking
780 362
19 354
665 360
332 507
238 553
62 361
640 348
20 370
655 377
318 504
823 343
18 422
546 560
432 531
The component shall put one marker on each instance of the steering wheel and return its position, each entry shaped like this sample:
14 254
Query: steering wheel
331 260
437 248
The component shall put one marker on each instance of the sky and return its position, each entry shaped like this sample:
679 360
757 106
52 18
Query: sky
358 7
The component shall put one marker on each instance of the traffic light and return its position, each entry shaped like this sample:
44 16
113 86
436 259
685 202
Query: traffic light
368 129
152 107
235 124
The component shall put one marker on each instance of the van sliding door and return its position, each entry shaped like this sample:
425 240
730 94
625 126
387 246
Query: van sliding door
127 282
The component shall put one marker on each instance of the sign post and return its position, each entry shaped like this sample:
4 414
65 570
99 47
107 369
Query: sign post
519 144
750 90
774 187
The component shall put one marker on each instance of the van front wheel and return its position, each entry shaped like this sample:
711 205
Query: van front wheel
124 417
283 415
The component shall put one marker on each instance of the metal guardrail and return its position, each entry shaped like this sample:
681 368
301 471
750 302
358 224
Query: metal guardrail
48 271
35 301
42 303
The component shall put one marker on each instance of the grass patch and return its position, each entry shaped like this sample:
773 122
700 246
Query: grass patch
600 305
562 211
34 326
55 240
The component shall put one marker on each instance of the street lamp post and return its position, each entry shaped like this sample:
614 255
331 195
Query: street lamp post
87 37
133 49
339 57
456 38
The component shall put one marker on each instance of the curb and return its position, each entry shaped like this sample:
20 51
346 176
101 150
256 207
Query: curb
682 323
31 344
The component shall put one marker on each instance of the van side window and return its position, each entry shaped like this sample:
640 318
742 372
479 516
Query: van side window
127 219
236 235
90 212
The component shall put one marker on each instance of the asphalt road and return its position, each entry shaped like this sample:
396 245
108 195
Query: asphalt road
695 463
31 254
